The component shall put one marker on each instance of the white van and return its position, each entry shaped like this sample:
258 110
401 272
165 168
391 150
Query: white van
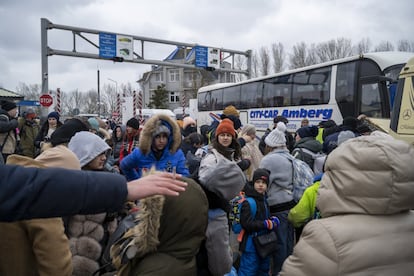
148 113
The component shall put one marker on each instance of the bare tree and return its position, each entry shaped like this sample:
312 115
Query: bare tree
264 61
75 100
363 46
405 46
334 49
255 65
91 101
127 89
298 57
384 46
278 53
30 92
109 97
312 56
240 63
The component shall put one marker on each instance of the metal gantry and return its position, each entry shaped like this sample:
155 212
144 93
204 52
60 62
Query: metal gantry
91 35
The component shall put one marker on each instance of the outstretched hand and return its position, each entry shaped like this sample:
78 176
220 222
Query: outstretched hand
160 183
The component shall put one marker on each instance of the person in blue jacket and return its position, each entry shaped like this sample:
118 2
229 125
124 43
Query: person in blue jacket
159 147
255 224
27 193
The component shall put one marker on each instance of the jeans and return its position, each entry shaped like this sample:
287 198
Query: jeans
285 241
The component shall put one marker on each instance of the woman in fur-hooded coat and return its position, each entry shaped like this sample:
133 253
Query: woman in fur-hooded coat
168 235
146 156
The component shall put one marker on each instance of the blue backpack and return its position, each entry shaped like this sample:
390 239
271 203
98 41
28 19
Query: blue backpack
234 215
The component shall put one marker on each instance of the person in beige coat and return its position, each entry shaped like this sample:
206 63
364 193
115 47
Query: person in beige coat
37 246
366 201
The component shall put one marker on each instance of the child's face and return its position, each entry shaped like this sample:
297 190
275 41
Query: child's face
160 141
260 186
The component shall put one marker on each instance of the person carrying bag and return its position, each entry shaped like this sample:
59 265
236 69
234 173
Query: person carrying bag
259 241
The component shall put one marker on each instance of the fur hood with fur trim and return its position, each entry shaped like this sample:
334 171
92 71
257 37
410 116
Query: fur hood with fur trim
174 139
144 158
168 234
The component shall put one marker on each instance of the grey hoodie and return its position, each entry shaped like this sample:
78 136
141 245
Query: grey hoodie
87 146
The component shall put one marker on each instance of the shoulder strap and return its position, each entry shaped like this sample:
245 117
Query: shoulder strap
253 206
4 141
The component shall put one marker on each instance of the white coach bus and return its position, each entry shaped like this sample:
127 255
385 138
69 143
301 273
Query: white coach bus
363 84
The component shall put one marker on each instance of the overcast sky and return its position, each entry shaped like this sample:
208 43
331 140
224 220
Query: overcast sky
231 24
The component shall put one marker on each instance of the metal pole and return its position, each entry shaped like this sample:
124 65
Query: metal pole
45 75
99 97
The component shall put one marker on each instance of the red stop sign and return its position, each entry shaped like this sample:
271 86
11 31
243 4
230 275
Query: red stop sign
46 100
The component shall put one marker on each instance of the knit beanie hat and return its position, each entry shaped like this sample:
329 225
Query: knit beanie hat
327 124
308 131
277 138
160 128
195 138
345 135
53 114
280 118
63 133
226 126
261 174
7 106
187 121
350 122
231 110
94 123
30 114
86 146
133 122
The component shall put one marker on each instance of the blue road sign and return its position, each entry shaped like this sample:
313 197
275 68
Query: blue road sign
107 45
201 56
28 103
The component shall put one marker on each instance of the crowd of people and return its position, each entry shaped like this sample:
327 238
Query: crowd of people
84 177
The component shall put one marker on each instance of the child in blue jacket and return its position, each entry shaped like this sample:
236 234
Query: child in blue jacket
260 222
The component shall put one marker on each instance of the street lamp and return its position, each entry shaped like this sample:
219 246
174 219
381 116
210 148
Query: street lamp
116 84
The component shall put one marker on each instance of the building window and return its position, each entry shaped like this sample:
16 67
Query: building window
174 75
174 97
158 77
191 76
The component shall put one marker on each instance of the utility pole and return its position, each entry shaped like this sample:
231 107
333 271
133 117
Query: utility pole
99 97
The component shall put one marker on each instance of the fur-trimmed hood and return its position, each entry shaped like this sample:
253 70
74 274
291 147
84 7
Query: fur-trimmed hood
174 139
168 234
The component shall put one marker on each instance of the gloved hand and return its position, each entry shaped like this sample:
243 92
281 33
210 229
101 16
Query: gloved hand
268 223
275 221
